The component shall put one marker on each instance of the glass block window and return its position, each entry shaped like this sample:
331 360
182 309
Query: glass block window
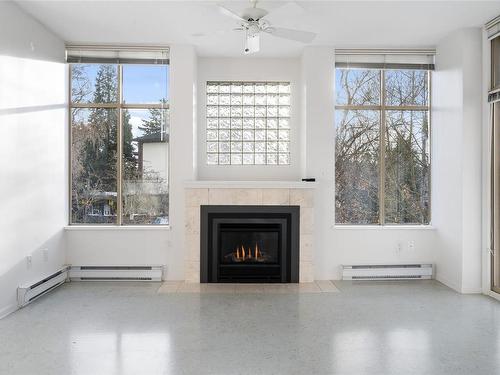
248 123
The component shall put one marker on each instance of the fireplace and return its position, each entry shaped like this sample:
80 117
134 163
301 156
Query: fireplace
249 244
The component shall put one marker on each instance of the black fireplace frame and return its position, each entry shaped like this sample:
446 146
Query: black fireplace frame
288 216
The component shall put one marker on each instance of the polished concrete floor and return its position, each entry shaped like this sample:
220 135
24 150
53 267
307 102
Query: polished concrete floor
365 328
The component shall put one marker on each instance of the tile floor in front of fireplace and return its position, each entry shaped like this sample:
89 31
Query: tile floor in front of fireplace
319 286
91 328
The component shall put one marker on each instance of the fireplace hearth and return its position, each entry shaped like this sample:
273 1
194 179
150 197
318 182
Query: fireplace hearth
249 244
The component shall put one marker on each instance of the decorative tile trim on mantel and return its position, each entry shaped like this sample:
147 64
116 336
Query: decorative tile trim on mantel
195 197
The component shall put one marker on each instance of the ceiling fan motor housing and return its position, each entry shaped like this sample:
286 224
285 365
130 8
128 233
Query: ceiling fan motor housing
254 14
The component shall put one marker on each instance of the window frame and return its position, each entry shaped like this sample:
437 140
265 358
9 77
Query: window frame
254 117
120 106
382 108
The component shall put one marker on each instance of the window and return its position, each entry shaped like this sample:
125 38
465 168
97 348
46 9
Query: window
382 160
119 143
248 123
494 103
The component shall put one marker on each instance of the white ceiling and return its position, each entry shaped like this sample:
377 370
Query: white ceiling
338 23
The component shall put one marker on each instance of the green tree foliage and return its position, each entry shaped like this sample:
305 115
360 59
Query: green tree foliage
144 185
155 123
100 152
94 133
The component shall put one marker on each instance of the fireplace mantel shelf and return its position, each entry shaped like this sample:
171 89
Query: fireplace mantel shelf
200 184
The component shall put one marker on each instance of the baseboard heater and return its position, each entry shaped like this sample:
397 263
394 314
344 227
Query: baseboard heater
387 272
116 273
29 292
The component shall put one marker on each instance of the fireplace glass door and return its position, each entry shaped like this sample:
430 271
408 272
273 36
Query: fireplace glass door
249 244
249 251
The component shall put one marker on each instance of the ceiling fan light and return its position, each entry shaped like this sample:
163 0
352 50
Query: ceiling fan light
252 44
253 29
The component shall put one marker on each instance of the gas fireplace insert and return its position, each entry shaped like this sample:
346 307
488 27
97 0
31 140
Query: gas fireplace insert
249 244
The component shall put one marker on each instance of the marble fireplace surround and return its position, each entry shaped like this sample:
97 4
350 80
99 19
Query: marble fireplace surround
281 193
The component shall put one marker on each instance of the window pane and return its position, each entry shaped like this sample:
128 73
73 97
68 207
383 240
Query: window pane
145 167
495 63
93 165
144 84
94 83
356 167
357 87
406 87
407 167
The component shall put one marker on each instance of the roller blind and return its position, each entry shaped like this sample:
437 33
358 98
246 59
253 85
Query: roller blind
88 54
493 28
385 59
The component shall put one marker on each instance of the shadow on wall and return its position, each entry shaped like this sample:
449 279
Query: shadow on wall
45 258
22 110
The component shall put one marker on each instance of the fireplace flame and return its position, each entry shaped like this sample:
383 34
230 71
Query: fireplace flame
241 254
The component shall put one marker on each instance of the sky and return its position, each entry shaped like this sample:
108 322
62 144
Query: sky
142 84
145 83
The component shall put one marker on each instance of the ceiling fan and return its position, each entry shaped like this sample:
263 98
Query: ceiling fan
252 21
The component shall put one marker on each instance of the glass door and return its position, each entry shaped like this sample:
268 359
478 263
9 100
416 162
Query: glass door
494 99
495 199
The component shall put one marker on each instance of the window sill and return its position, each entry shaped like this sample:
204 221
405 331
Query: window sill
382 227
116 227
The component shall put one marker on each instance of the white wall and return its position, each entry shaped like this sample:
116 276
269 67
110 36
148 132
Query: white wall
250 69
486 167
117 246
453 242
315 131
33 156
456 178
183 123
335 246
154 245
472 153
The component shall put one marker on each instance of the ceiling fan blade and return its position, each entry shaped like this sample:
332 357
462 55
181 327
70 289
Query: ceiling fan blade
252 44
288 11
297 35
229 13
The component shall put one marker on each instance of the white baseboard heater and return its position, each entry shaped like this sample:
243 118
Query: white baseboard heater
29 292
116 273
387 272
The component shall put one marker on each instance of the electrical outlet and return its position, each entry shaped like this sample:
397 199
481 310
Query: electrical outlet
411 245
399 247
29 261
45 253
